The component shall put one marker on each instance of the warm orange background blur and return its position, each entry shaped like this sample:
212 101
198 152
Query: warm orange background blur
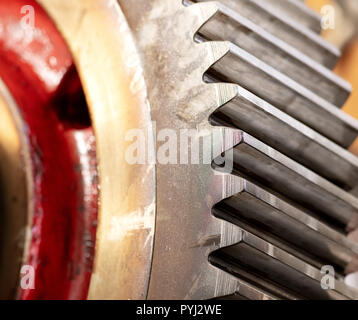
317 4
347 68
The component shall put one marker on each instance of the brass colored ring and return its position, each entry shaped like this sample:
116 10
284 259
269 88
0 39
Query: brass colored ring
111 75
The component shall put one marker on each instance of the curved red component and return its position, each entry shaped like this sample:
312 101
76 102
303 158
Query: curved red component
37 67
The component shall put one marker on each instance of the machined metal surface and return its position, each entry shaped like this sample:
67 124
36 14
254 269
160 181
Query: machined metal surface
257 117
230 25
240 67
287 30
297 11
180 230
288 227
288 277
171 248
185 192
281 175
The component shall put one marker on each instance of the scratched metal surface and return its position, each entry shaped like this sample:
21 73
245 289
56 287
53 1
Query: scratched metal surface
186 232
178 262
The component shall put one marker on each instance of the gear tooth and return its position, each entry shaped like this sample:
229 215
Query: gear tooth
205 10
230 234
226 92
220 93
217 93
218 50
227 285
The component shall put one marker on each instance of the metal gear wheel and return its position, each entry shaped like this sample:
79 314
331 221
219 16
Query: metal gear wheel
257 76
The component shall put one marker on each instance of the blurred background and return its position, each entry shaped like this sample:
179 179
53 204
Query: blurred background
344 35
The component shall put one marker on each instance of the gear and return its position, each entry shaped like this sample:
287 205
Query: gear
274 204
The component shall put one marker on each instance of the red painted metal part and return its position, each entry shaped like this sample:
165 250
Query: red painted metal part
38 69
